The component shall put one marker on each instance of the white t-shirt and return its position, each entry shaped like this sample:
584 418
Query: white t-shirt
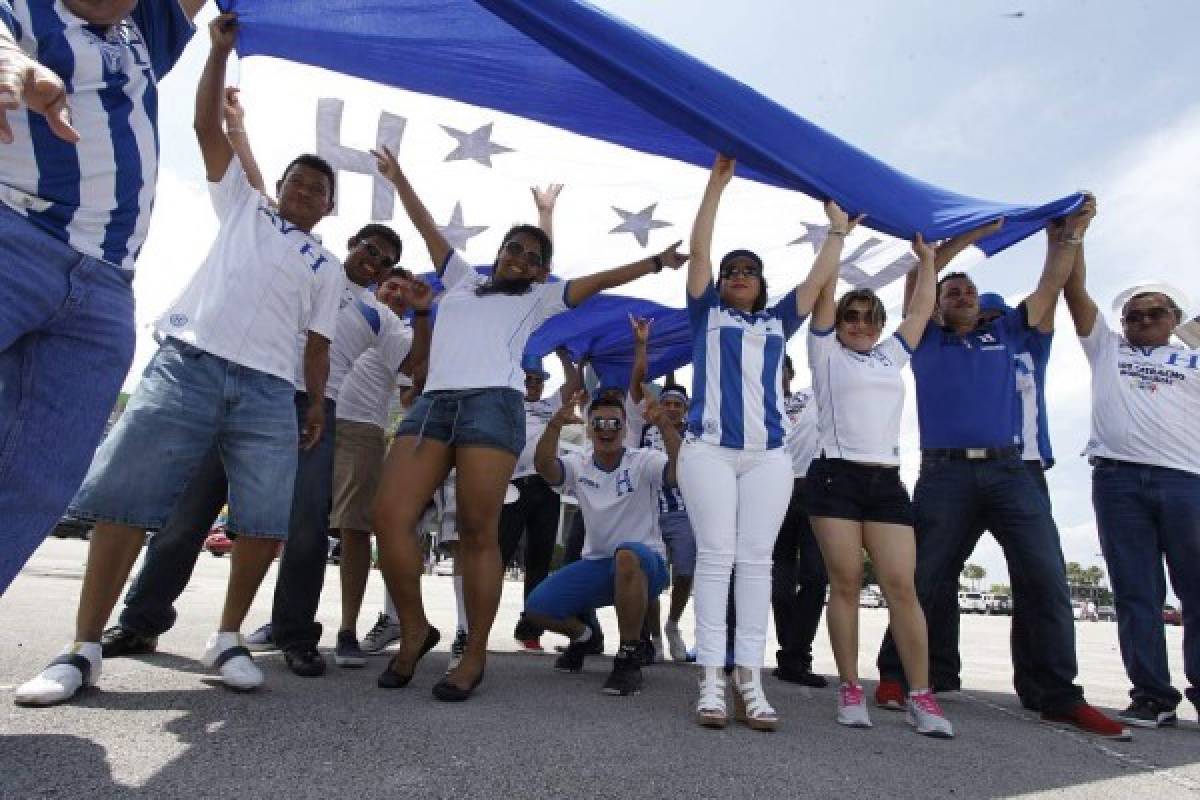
618 505
860 398
537 416
362 322
801 443
366 393
264 283
478 341
1145 401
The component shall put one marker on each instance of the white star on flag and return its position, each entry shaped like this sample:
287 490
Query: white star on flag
458 234
476 146
814 234
639 224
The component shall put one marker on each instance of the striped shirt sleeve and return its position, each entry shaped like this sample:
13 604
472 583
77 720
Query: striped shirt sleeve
8 20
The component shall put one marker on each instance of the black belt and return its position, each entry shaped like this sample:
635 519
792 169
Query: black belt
525 479
969 453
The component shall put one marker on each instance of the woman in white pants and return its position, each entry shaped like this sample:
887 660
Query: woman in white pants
735 474
854 494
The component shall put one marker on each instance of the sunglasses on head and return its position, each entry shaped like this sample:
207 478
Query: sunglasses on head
748 271
854 316
531 257
607 424
1154 314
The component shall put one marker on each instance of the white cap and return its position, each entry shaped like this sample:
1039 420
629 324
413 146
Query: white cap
1181 299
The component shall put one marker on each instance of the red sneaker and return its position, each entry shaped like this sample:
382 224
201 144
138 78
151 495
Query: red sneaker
531 646
889 694
1090 720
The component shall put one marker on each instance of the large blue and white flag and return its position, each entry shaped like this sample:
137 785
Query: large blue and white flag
484 98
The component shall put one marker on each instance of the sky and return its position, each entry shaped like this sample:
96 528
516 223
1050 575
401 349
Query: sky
1017 101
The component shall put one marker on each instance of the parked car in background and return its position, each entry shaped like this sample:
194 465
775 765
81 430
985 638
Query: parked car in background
971 603
218 542
1172 615
995 603
1106 614
870 597
70 527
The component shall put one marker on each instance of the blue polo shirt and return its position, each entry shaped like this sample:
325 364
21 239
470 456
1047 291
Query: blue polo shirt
966 385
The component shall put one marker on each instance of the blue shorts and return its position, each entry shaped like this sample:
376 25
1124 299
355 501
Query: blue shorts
189 400
677 535
587 584
492 417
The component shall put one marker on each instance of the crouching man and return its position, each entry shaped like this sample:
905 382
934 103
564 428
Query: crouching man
623 562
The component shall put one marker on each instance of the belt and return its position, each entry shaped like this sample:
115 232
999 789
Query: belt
969 453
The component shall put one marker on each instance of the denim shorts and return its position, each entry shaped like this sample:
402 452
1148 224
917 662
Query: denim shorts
680 540
843 489
493 417
587 584
187 401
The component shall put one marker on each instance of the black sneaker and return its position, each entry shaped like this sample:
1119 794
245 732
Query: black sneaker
804 677
1147 713
305 661
626 676
571 659
118 641
645 653
348 652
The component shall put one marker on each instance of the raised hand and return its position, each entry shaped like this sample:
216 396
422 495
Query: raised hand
567 413
386 163
922 250
420 295
223 32
641 328
1076 223
24 81
235 115
839 221
722 170
544 199
671 257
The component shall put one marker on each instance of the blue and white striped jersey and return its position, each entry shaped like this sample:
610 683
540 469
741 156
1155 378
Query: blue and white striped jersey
737 371
649 437
97 194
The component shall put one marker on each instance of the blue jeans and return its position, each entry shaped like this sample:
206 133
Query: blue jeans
953 501
1144 514
172 552
66 343
302 566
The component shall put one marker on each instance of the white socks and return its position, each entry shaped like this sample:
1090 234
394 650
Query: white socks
226 652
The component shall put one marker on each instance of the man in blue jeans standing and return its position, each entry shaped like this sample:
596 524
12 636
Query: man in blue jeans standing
972 477
1145 455
78 163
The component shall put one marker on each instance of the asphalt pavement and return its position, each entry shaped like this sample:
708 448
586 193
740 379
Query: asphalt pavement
159 726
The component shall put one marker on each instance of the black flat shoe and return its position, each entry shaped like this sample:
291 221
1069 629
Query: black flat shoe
447 692
391 679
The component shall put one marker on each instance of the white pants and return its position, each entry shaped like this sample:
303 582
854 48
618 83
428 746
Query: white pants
736 500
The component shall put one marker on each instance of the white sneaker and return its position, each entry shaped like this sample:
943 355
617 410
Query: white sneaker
926 715
228 653
675 642
852 706
78 666
260 640
385 631
656 643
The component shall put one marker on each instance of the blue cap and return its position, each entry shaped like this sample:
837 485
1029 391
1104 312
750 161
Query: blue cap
990 301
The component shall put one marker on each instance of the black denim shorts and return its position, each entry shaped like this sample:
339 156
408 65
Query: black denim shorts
843 489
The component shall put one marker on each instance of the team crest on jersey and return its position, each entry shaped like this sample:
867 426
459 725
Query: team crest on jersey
112 47
178 320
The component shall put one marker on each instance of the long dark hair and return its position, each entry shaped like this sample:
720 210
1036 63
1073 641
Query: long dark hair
760 302
496 285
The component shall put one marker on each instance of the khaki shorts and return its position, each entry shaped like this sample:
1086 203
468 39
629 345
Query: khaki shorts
357 464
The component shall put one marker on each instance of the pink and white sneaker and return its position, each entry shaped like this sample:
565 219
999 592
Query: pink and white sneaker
852 706
927 717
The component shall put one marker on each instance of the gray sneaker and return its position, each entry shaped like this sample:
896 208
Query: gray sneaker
348 653
261 640
385 631
927 717
457 649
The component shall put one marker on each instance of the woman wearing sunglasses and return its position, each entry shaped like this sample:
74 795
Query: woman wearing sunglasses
735 473
471 417
855 497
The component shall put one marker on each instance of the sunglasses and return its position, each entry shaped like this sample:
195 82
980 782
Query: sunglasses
741 272
855 317
531 257
1155 314
374 252
607 424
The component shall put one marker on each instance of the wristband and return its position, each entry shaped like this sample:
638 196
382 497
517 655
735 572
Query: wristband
235 130
658 263
420 313
832 232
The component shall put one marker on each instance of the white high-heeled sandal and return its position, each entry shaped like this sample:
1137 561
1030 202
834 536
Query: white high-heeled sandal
750 701
710 708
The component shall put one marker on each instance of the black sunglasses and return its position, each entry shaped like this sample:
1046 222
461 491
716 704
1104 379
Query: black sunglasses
854 316
531 257
741 272
607 424
1155 314
374 252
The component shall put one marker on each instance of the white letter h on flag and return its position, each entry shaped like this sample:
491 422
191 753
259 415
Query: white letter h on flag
346 159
